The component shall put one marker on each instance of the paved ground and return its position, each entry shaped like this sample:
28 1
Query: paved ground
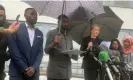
44 78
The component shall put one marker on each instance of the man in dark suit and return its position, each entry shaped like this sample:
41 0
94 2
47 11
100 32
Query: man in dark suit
26 49
4 31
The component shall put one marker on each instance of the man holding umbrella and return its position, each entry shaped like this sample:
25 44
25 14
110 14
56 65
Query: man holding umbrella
59 40
5 29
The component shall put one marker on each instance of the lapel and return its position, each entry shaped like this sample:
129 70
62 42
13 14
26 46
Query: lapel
25 32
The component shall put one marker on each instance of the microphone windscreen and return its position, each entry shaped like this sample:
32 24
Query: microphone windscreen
103 56
115 55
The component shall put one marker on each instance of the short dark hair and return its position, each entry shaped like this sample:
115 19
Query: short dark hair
2 7
28 9
63 16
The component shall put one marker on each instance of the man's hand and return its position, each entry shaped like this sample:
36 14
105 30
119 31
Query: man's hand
57 39
13 28
29 72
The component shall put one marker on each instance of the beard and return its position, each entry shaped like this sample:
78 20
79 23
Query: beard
65 27
32 22
2 20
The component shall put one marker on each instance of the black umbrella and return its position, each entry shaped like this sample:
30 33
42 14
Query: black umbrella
110 26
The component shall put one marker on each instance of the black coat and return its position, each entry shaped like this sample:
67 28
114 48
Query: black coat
3 47
88 61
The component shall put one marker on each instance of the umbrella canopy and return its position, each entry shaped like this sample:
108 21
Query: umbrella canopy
110 27
55 8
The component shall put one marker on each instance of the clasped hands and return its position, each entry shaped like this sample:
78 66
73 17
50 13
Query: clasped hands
29 72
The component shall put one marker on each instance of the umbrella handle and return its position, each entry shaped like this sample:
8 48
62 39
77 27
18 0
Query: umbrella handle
60 22
59 27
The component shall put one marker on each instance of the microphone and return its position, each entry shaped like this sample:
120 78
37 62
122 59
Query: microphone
104 57
17 18
91 53
113 67
115 55
128 66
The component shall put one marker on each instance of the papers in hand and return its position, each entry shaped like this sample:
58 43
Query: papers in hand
73 52
105 44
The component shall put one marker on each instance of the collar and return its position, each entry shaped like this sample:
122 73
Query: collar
28 26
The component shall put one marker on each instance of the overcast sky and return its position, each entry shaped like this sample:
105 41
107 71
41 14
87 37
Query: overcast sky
13 8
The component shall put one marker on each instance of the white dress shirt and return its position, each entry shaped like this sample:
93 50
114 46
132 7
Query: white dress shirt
31 33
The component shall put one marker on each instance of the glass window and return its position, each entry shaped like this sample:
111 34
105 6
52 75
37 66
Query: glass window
132 33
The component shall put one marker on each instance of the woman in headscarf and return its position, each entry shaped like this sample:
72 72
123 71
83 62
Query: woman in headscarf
128 45
128 49
128 54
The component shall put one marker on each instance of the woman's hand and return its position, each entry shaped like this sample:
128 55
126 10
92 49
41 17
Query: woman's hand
90 44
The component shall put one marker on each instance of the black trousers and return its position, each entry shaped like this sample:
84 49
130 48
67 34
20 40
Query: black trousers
56 79
90 74
2 76
21 77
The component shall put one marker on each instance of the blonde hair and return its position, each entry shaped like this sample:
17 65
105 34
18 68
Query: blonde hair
92 27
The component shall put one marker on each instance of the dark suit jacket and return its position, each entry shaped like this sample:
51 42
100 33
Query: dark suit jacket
21 52
3 44
88 61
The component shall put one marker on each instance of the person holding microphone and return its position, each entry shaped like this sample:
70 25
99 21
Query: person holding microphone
89 64
5 29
